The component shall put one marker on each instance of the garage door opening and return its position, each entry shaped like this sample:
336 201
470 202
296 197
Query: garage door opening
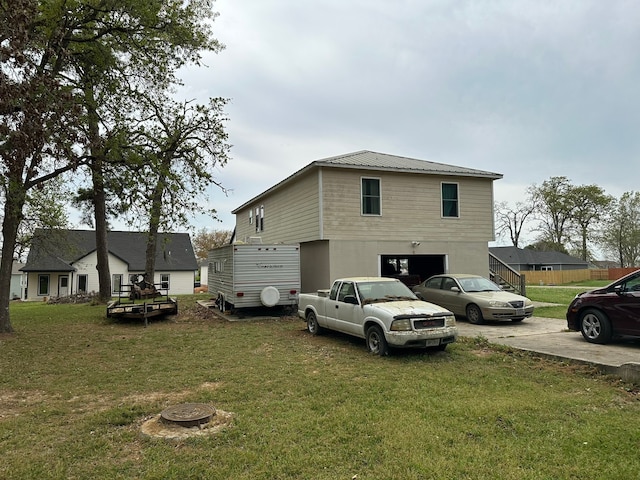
411 269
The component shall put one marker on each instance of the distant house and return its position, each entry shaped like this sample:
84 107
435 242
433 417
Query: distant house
63 262
204 271
605 264
369 213
18 281
522 259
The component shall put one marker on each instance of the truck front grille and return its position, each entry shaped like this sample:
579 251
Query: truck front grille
428 323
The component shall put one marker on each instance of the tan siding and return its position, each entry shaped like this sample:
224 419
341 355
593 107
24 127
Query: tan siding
411 207
291 214
315 266
356 258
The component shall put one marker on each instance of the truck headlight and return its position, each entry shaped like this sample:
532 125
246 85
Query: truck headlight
450 321
401 325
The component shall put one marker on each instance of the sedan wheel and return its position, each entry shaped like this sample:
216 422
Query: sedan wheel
595 327
474 314
376 343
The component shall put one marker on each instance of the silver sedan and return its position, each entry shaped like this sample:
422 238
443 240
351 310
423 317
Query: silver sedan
474 297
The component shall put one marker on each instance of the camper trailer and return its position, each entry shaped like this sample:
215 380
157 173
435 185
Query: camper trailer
253 275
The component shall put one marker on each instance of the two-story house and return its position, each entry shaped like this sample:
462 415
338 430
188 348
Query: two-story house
368 213
63 262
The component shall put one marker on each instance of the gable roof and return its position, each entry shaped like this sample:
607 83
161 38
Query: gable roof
58 250
367 160
524 256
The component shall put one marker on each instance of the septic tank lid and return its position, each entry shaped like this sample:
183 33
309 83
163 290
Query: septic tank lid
188 414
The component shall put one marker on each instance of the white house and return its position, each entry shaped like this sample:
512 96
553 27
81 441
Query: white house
63 262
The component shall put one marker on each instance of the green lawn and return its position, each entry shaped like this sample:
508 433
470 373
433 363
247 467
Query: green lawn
561 295
76 388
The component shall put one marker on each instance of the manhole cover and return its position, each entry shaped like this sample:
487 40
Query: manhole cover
188 414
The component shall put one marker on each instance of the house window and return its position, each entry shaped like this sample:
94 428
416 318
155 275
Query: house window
82 283
546 268
450 200
260 219
370 196
116 283
164 280
43 284
250 217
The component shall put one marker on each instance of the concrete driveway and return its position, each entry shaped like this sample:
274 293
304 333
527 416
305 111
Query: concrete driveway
549 337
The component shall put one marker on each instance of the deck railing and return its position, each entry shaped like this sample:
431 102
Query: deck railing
505 276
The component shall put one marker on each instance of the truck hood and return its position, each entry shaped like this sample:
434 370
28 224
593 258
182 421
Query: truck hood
406 307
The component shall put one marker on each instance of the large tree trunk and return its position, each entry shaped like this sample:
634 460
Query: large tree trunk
14 203
155 216
102 248
99 199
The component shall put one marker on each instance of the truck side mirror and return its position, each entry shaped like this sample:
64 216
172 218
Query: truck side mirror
351 299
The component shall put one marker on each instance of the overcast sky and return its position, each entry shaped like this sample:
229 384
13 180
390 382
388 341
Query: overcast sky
529 89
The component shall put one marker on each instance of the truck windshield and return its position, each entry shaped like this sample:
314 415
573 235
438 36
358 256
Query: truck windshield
372 292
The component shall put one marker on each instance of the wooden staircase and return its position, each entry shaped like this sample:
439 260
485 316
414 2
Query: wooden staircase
505 276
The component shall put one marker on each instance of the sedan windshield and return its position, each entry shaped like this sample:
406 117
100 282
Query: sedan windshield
478 284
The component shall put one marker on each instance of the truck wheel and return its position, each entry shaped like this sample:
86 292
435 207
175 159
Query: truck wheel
595 326
313 327
376 343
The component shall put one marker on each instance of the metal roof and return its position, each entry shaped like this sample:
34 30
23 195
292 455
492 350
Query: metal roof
382 161
368 160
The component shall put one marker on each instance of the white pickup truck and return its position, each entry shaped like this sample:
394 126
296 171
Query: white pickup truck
381 310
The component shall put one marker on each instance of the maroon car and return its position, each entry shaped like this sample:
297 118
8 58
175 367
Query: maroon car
606 312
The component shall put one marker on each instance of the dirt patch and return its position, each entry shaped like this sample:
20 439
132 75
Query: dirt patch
484 352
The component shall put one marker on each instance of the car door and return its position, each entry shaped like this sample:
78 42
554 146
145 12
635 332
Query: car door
347 311
430 290
624 307
449 299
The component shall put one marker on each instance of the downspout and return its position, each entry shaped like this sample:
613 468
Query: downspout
320 206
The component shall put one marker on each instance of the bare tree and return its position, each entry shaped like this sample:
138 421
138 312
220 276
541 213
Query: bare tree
511 220
205 240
